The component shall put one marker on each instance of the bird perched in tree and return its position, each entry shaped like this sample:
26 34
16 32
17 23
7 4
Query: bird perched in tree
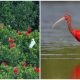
32 43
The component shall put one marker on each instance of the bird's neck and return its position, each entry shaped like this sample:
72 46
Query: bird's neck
69 25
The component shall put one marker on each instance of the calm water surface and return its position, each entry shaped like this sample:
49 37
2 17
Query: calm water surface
59 36
58 66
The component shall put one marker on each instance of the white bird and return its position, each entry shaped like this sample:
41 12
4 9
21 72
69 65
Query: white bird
32 43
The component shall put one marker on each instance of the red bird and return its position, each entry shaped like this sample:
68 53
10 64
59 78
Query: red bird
4 63
15 70
10 40
29 29
27 34
24 64
74 32
12 45
20 33
37 69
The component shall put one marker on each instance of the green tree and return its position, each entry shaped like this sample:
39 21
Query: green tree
20 14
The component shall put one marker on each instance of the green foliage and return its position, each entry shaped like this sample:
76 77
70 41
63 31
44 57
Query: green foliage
18 54
28 72
21 52
19 14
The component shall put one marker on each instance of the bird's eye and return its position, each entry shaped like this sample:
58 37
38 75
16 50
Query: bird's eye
67 17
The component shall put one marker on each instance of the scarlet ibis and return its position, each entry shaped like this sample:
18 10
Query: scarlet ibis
29 29
20 33
10 40
74 32
12 45
37 69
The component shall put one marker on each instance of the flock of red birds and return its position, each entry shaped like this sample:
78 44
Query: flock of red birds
12 44
16 71
11 41
27 32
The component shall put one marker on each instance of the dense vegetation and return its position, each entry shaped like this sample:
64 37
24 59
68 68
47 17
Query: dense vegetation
20 14
19 23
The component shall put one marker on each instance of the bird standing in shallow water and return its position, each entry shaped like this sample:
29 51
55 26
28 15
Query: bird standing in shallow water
74 32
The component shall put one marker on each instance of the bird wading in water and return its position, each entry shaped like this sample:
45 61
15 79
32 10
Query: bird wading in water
74 32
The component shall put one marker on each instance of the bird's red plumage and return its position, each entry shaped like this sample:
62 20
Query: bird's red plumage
75 33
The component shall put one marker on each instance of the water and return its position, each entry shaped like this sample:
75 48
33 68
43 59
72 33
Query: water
59 49
50 13
58 68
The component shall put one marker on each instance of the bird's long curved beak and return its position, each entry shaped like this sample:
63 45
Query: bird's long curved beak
61 19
